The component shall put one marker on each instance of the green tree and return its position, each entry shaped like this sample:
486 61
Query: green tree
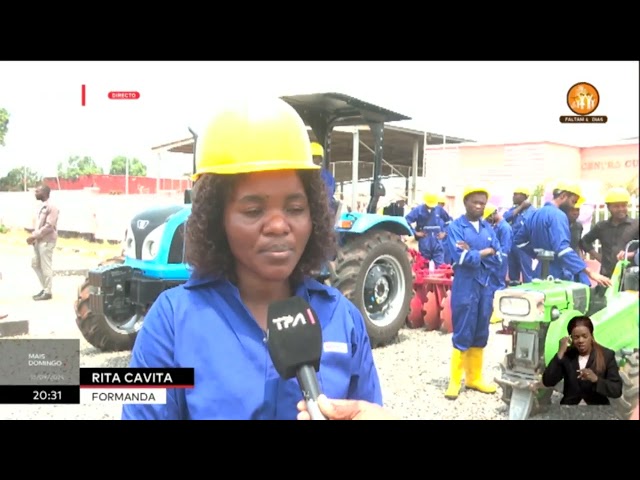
631 185
538 194
77 166
4 125
119 167
14 180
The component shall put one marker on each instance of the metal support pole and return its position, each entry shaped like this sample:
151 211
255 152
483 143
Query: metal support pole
354 169
414 171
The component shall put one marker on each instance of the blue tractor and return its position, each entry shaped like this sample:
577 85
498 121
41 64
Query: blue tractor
372 267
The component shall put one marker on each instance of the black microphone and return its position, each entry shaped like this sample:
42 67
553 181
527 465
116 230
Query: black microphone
294 340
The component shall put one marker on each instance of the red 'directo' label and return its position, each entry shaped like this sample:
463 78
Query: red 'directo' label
124 95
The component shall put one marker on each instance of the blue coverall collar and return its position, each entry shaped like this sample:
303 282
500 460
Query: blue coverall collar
307 286
467 223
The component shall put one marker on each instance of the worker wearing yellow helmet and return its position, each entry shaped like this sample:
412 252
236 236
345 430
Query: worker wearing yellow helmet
259 227
613 233
446 220
430 221
520 264
317 151
548 229
575 227
475 251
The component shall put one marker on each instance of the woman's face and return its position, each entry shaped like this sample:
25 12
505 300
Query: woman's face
581 338
268 223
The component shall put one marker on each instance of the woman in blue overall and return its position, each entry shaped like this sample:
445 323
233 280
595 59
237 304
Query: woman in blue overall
475 252
259 226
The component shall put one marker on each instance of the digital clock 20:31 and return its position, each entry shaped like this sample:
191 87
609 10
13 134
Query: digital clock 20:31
40 395
55 394
34 394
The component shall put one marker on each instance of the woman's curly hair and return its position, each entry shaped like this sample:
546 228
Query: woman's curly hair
207 248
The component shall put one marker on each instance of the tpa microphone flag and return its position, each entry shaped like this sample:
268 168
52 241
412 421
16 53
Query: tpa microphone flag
137 377
294 336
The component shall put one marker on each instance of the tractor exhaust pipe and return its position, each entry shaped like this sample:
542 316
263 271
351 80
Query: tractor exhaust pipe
545 257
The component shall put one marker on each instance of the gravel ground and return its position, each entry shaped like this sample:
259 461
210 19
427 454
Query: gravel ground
414 370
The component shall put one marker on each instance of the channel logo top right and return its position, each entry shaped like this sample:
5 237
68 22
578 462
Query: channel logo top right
583 99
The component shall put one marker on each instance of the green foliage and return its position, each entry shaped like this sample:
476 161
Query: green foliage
119 167
538 194
78 166
4 125
14 181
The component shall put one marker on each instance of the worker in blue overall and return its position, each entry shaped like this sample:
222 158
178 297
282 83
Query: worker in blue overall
548 229
317 152
519 262
430 228
329 181
258 229
475 251
445 219
505 237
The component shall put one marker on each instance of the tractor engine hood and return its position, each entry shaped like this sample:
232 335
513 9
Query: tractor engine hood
143 224
541 301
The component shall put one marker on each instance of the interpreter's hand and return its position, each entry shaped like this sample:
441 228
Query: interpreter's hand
587 374
346 410
441 235
463 245
31 240
420 234
600 279
563 344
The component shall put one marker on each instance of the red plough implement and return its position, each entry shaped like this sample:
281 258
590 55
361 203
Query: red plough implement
430 306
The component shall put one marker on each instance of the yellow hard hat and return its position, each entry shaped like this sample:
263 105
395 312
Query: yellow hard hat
617 195
474 189
254 136
317 150
579 203
522 190
430 199
489 209
570 187
442 198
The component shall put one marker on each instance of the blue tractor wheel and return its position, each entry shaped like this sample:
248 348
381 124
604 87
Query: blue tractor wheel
105 334
374 272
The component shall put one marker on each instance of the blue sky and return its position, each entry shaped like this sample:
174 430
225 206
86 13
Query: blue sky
485 101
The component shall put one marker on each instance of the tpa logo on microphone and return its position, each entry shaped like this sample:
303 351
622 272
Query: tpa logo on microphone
289 321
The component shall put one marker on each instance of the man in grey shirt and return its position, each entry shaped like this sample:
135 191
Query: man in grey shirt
43 239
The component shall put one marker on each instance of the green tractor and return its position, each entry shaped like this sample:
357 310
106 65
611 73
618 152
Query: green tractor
537 313
372 268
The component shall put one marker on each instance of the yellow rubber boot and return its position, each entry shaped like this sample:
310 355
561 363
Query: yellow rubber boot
473 372
457 369
495 318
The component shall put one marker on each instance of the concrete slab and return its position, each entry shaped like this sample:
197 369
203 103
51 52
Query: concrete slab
13 328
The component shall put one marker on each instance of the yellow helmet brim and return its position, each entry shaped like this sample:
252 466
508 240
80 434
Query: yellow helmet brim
256 167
